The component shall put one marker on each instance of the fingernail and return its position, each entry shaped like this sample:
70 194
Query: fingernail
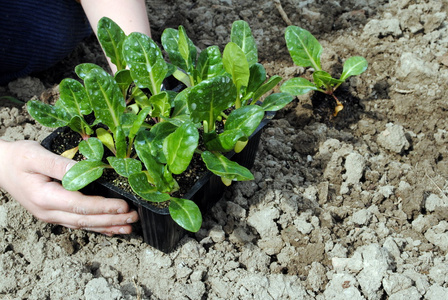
129 220
120 210
122 230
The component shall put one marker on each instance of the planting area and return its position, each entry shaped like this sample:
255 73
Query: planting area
346 207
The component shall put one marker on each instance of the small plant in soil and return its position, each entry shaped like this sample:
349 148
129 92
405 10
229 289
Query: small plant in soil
132 124
306 51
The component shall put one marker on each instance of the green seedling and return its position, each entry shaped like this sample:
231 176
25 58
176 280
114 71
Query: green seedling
305 52
151 133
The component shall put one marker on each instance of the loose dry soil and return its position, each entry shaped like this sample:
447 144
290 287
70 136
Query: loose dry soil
352 207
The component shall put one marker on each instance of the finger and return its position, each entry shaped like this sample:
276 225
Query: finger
91 222
112 230
54 197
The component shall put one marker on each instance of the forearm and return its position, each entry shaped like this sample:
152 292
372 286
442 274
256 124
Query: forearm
130 15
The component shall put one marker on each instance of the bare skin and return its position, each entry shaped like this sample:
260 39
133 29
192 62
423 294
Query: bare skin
28 170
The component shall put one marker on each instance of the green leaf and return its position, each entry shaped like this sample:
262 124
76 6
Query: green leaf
269 85
257 77
145 60
298 86
120 142
107 100
140 98
48 115
179 147
185 213
242 36
219 165
123 79
136 125
187 49
127 120
78 124
181 50
154 139
125 166
141 186
181 104
209 98
235 63
111 38
209 64
354 66
82 173
154 168
303 47
92 149
73 97
83 70
225 141
246 118
276 101
322 78
161 105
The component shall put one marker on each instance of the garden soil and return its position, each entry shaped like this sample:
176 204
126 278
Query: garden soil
346 207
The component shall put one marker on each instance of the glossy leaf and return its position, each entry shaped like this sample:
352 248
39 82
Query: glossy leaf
106 97
222 166
181 104
266 87
83 70
153 167
82 173
235 63
242 36
120 142
209 98
276 101
78 124
125 166
209 64
181 50
154 139
225 141
92 149
246 118
256 78
48 115
123 79
297 86
140 185
322 78
161 105
179 147
303 47
145 60
127 120
185 213
111 37
140 98
354 66
136 125
73 97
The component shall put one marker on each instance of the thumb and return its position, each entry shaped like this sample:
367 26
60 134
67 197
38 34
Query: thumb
42 161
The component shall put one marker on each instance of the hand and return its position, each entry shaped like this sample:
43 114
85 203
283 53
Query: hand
26 173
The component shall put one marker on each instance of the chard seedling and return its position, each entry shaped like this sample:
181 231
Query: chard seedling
306 51
151 134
